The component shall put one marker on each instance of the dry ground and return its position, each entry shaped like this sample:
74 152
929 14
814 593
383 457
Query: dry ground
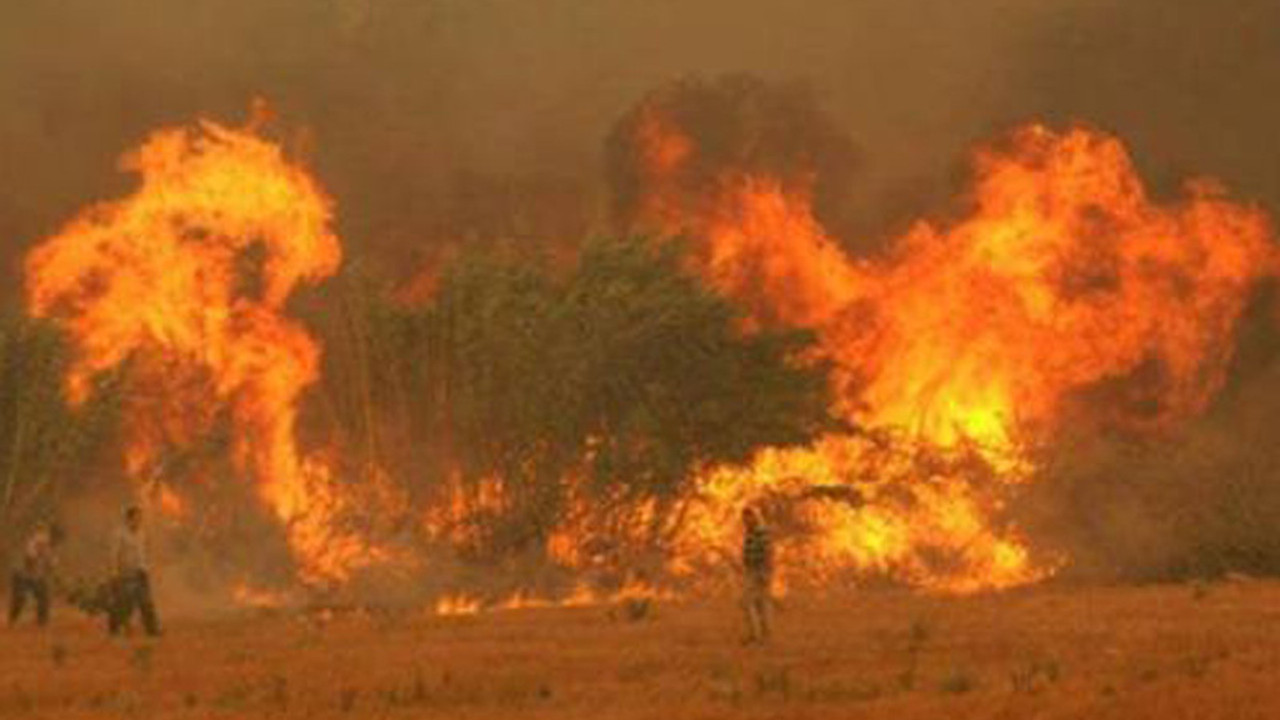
1063 652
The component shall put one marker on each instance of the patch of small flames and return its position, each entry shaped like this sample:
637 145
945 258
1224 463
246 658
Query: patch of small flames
580 596
245 595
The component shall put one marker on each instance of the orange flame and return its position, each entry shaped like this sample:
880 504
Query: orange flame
982 334
579 596
187 278
453 605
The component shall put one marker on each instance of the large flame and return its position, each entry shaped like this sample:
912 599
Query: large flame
186 280
965 342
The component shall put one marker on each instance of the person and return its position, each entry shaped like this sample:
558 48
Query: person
131 578
757 570
33 575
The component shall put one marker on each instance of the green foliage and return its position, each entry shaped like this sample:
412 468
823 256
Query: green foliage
625 372
43 442
668 380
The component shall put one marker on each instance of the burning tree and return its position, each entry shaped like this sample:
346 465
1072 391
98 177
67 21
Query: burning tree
584 399
184 282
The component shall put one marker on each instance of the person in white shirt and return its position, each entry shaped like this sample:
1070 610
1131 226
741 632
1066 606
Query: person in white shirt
132 577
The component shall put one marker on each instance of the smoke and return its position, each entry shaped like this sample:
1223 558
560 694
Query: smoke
1184 83
402 97
1200 500
733 124
1201 504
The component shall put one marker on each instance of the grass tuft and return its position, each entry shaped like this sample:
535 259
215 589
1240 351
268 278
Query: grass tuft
958 682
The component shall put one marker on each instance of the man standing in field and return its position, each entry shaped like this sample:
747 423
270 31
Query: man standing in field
757 570
33 575
131 579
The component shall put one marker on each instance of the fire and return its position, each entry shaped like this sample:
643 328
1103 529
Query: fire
1065 274
170 503
964 344
457 514
1063 295
452 605
248 596
184 284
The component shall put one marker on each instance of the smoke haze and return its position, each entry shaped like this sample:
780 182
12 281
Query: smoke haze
430 119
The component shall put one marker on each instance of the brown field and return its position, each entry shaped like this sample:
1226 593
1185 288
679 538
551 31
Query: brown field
1178 651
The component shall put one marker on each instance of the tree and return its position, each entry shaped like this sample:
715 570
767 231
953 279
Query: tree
613 385
44 443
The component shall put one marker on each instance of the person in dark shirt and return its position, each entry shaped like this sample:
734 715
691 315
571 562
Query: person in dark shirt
757 571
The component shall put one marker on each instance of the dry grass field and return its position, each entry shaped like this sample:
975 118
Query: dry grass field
1179 651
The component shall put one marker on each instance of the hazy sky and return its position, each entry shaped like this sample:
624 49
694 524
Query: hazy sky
402 97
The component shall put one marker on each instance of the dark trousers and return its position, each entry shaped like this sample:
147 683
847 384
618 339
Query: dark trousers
132 592
22 586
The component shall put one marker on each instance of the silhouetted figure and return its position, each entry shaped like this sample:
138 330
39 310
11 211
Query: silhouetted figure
33 576
757 572
131 579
